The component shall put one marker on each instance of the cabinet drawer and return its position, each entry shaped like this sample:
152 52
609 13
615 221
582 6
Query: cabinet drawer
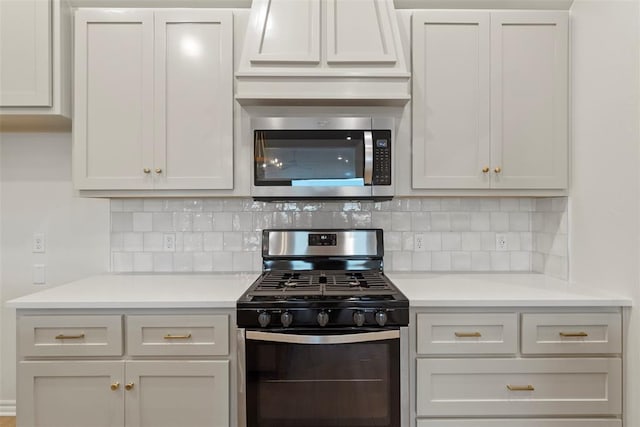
70 335
571 333
470 333
517 387
189 335
520 423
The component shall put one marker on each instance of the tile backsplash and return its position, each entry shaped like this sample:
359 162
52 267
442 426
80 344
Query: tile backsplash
421 234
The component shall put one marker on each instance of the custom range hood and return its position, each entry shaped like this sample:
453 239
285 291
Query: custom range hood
323 51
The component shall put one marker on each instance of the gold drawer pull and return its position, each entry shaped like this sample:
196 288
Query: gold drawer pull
115 386
574 334
128 386
468 334
177 337
527 387
69 337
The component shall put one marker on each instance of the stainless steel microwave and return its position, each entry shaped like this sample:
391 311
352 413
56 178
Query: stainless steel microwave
322 158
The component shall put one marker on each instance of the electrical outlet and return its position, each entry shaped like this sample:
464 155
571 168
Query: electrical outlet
418 242
38 271
38 243
169 242
501 242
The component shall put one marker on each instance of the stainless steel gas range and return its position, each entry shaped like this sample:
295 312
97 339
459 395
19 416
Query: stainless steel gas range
322 334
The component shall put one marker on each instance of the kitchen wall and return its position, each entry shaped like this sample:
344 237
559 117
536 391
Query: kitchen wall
37 196
421 234
604 211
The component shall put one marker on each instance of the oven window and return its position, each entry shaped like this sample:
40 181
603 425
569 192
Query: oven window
301 158
329 385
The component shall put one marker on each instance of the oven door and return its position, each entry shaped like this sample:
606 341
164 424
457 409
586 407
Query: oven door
348 378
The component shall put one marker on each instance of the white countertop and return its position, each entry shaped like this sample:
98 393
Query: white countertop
499 290
222 291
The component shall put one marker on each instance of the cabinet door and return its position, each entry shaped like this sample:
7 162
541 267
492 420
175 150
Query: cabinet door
113 110
451 80
70 394
178 393
529 99
193 100
25 53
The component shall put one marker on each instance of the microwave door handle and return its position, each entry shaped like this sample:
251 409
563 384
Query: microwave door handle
368 157
322 339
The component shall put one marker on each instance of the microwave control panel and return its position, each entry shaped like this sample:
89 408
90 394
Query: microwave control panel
381 157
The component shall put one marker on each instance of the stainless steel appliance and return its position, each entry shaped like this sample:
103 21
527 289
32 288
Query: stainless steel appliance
317 158
322 334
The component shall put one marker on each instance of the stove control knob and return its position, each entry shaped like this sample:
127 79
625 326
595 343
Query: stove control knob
381 318
286 318
358 318
323 318
264 319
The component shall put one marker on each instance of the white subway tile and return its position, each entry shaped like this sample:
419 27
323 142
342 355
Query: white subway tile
499 221
142 221
526 241
559 245
242 221
121 221
450 204
193 205
488 241
152 205
557 267
233 241
213 241
461 261
509 204
361 219
132 205
283 219
351 207
471 241
513 242
433 241
431 204
543 205
470 204
489 205
222 261
262 220
251 241
421 261
500 261
121 262
143 262
163 221
440 221
393 241
232 205
460 221
193 242
183 221
520 261
203 221
451 241
183 262
222 221
481 261
213 205
117 242
163 262
537 262
402 261
441 261
480 221
413 205
519 221
202 261
322 219
303 219
381 220
115 205
401 221
242 261
407 241
382 206
132 242
420 221
173 205
152 242
527 205
341 220
311 207
559 204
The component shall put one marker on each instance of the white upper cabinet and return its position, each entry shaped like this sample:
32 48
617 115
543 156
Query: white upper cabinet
153 99
529 57
34 60
323 49
490 100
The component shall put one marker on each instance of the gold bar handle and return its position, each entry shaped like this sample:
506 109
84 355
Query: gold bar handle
574 334
468 334
69 337
177 337
527 387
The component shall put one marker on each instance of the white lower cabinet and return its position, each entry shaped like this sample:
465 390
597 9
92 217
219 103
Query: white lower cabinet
518 367
128 369
539 422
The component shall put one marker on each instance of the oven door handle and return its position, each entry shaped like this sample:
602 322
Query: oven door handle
368 157
322 339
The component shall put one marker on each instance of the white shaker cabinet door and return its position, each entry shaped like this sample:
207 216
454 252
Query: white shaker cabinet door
113 110
25 53
177 393
193 100
71 394
451 77
529 99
